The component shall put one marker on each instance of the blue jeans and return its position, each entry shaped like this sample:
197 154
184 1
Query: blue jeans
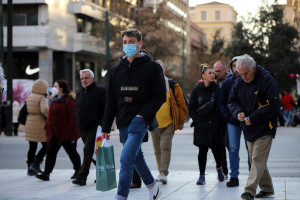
287 115
132 156
234 136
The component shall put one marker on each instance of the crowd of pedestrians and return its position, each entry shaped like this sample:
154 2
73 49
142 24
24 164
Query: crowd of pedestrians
223 104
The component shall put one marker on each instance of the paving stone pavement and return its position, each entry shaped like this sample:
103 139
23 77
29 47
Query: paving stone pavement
283 165
16 185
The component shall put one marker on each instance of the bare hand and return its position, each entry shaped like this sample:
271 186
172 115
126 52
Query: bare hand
105 136
247 121
241 116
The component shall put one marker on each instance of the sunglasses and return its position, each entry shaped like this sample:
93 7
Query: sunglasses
204 68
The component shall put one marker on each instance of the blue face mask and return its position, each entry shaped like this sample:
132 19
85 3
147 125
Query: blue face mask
130 50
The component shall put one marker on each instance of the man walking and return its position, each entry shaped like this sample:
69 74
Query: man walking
233 126
254 101
136 90
287 103
90 104
222 74
170 117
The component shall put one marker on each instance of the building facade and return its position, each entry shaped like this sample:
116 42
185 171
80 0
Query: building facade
292 16
178 23
54 39
213 17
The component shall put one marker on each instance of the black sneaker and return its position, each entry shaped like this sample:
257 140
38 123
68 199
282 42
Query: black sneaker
263 194
220 174
76 173
31 173
247 196
79 181
43 177
233 182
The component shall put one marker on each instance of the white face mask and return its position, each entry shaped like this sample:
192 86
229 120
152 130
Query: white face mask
54 91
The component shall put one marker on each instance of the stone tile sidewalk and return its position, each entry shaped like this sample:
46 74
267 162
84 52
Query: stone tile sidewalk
16 185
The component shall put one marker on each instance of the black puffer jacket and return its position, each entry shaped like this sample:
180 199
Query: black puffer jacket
90 104
208 128
134 88
259 101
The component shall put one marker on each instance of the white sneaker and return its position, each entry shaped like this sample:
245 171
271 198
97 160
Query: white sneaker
158 178
163 179
154 193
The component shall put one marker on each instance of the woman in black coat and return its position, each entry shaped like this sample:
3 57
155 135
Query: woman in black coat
207 120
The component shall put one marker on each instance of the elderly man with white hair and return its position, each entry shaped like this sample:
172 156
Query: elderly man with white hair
254 101
90 104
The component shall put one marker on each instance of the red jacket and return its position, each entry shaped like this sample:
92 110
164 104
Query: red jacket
286 102
61 121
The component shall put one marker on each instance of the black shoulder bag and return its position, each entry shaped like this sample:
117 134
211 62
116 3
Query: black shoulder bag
23 114
207 107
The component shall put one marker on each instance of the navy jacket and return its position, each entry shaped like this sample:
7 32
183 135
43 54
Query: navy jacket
223 100
259 101
134 88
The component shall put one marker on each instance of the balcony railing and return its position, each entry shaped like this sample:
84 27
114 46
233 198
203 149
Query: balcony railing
87 8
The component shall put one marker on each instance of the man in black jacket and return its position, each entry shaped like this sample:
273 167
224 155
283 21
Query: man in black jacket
90 104
254 102
136 90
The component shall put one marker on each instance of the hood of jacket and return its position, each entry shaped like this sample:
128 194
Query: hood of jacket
137 61
40 87
261 72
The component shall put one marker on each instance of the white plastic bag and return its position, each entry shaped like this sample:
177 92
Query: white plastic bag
106 143
98 140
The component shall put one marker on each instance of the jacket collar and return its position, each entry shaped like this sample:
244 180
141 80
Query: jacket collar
89 87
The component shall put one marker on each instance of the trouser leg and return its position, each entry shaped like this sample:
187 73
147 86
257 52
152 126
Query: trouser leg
88 138
53 148
259 174
70 148
202 158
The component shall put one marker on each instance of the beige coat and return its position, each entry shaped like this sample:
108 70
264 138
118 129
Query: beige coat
37 108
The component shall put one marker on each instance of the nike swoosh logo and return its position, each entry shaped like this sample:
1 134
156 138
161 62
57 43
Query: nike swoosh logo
155 196
31 71
103 72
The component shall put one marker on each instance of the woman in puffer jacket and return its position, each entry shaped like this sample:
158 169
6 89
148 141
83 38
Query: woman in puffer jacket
61 128
37 109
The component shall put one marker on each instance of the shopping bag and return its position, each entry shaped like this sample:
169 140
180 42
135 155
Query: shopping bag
98 141
105 167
